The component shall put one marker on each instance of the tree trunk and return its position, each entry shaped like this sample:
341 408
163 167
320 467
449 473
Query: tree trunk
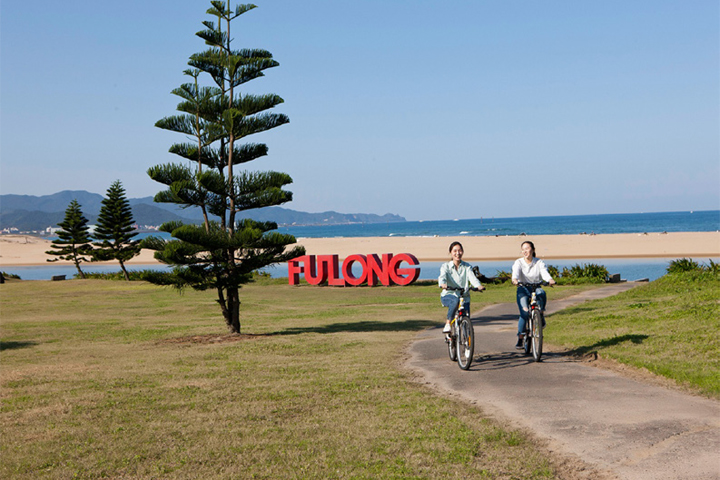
125 272
77 265
80 272
232 312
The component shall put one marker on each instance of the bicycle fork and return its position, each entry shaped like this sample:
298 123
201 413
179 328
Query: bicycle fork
449 337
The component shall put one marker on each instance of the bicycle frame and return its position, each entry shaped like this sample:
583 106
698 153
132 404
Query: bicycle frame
534 326
461 339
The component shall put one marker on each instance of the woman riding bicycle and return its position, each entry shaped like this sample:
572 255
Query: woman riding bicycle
529 269
456 274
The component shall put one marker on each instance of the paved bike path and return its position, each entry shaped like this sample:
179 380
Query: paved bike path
630 428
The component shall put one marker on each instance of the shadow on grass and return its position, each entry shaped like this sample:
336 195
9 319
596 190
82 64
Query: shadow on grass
367 326
608 342
15 345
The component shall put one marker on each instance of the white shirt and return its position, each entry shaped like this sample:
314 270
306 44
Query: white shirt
533 272
457 278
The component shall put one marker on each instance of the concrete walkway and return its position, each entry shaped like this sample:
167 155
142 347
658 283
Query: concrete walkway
629 428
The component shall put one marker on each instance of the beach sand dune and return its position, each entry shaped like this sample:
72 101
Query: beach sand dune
26 250
488 248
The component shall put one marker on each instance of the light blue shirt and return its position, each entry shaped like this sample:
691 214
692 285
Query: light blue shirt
457 278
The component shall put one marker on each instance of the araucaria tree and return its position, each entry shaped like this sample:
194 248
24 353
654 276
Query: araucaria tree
115 229
73 242
223 252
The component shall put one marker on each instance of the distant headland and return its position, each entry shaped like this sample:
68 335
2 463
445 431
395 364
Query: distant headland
37 214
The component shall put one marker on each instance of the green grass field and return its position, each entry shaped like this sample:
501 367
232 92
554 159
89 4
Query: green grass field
669 327
105 379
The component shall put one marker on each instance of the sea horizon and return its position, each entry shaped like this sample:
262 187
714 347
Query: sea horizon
682 221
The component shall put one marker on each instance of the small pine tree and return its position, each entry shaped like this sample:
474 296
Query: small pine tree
115 229
73 241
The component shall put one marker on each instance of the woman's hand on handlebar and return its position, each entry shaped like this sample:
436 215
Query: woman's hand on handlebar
479 289
443 286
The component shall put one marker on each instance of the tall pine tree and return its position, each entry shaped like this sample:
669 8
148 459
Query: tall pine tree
223 252
73 242
115 230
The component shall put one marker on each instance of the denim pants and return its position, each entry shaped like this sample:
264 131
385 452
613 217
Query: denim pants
452 303
523 301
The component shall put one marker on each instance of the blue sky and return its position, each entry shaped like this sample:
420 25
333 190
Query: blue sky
426 109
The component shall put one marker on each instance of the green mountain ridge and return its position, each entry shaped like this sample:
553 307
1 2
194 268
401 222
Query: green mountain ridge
29 213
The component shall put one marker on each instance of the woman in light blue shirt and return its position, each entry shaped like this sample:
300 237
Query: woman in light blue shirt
456 274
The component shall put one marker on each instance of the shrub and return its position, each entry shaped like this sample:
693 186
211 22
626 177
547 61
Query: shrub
135 275
578 274
686 265
553 271
713 267
683 265
575 275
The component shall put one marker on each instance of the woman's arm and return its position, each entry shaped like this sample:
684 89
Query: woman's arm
442 279
516 270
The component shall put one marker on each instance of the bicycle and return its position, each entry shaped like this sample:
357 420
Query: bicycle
461 339
533 334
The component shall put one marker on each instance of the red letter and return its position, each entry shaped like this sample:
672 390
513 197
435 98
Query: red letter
311 276
333 268
294 269
411 274
347 270
376 270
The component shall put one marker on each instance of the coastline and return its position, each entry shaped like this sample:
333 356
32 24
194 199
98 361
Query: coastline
26 250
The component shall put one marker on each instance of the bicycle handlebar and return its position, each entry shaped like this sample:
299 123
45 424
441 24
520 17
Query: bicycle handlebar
533 285
463 290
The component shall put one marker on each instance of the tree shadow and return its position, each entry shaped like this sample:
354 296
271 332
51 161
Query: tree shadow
608 342
15 345
366 326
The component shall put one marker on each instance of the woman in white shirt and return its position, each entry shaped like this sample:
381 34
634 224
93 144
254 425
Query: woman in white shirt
456 274
529 269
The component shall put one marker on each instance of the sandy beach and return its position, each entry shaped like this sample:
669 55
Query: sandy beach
25 250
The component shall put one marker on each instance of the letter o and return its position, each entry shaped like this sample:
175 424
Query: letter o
347 270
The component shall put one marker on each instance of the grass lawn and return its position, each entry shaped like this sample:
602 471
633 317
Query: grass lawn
110 379
669 327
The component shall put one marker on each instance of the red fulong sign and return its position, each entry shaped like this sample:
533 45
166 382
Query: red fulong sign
322 269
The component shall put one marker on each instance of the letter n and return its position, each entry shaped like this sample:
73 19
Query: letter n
377 270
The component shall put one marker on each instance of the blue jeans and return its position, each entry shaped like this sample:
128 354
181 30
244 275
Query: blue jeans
523 301
452 303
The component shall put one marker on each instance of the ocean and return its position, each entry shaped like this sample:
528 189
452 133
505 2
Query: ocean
629 269
702 221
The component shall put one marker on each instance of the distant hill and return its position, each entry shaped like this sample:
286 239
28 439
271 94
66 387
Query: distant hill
30 213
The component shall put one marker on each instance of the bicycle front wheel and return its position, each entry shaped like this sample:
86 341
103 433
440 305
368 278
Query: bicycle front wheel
527 341
537 335
465 343
452 344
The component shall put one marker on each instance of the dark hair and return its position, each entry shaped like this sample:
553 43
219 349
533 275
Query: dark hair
532 245
453 244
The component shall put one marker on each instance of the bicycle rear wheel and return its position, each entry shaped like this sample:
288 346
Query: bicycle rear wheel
465 343
537 335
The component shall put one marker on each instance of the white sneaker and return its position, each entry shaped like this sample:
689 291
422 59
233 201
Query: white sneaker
446 329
